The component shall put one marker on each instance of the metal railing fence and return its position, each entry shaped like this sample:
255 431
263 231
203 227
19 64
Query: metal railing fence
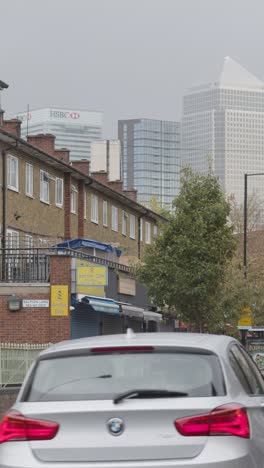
15 361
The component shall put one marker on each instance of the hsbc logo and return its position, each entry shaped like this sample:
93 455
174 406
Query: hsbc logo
74 115
64 115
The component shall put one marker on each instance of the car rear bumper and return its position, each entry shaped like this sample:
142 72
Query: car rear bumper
244 462
19 455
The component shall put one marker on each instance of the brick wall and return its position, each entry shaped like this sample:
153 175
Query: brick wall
36 325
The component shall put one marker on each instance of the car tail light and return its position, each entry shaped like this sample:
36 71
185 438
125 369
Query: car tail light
122 349
228 419
16 427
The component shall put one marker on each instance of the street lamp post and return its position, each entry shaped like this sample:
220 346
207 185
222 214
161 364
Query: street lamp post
245 222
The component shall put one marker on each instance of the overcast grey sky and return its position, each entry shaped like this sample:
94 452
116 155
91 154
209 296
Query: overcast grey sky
127 58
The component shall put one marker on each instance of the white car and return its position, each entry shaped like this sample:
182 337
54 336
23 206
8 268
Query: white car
166 400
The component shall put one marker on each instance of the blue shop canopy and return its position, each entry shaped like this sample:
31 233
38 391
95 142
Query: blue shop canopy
100 304
78 243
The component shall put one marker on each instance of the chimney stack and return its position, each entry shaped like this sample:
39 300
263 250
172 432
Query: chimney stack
12 126
43 142
83 165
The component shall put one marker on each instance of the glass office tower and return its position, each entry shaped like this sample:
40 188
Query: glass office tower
73 129
151 159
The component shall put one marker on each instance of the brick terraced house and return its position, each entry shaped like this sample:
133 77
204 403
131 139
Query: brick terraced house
46 199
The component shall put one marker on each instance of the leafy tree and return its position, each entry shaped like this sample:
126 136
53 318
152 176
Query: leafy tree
238 292
185 266
156 206
254 213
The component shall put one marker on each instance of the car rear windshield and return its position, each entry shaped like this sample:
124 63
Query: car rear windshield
103 376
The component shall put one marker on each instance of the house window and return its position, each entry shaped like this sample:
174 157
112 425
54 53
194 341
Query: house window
141 229
29 180
148 233
44 187
13 173
105 213
124 223
28 242
73 199
59 192
114 218
94 209
132 227
155 230
12 240
85 204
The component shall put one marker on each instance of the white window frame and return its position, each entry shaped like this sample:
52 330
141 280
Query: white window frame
12 243
28 242
114 218
84 204
29 180
14 235
42 199
15 187
105 213
132 227
58 203
94 209
148 232
74 192
141 229
124 222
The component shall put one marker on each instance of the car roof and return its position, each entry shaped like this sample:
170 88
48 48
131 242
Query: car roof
200 341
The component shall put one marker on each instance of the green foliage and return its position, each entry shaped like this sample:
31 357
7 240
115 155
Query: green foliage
238 292
158 208
185 266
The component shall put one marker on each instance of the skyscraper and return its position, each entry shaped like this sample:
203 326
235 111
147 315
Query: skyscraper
151 159
73 129
223 126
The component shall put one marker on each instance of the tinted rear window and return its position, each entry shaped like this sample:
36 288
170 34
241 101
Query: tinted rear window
97 377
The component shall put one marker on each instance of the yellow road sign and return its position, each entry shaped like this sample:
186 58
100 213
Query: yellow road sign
245 322
59 301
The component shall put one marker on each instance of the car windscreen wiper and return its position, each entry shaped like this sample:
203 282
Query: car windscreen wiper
148 394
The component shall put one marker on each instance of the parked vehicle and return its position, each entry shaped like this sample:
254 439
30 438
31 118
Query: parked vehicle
255 346
158 400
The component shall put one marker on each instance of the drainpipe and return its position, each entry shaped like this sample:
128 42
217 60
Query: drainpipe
4 207
139 236
3 244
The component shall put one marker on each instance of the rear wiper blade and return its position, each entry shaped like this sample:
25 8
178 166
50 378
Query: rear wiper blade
104 376
148 394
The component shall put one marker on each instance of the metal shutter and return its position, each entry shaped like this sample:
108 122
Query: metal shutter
84 323
136 325
112 324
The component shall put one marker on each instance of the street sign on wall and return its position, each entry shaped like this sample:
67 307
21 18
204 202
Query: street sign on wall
35 303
